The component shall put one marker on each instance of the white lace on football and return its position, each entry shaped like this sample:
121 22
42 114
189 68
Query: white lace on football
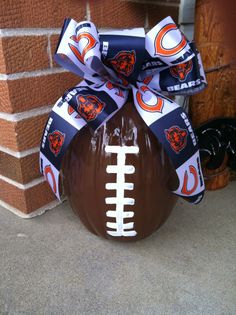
119 228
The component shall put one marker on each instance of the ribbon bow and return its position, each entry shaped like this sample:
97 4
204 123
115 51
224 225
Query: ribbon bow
113 63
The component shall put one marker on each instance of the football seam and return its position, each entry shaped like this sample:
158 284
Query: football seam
119 228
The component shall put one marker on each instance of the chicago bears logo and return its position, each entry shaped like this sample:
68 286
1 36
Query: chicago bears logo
118 92
91 42
194 180
71 111
182 70
148 79
157 105
124 62
56 140
160 38
177 138
48 171
89 106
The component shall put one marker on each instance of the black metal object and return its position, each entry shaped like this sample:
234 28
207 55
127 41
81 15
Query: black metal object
217 138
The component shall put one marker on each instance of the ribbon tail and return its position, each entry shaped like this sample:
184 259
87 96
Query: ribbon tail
172 128
84 105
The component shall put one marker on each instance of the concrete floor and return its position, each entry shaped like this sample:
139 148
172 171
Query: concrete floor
52 265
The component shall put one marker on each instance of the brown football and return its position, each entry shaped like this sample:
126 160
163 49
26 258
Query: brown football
119 179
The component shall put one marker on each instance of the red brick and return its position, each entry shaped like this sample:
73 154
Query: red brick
22 135
22 170
38 196
23 94
2 60
8 135
30 167
25 53
5 103
156 13
10 167
27 200
30 13
118 14
29 132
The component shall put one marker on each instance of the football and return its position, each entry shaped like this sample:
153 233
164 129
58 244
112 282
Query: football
118 179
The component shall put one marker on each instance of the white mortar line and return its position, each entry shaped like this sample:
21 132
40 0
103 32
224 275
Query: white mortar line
7 32
88 12
35 213
31 74
49 52
21 154
27 114
164 4
11 32
146 23
22 186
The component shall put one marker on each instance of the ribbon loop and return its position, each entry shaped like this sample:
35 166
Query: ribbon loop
166 42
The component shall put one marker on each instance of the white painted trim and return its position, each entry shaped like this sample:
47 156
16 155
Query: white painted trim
11 32
186 21
33 183
187 17
33 214
21 154
27 114
187 11
188 30
31 74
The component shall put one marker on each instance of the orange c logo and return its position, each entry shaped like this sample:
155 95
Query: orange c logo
150 108
48 170
118 92
148 79
185 190
168 52
91 44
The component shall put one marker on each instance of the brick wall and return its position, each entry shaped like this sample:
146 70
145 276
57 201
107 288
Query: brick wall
30 82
